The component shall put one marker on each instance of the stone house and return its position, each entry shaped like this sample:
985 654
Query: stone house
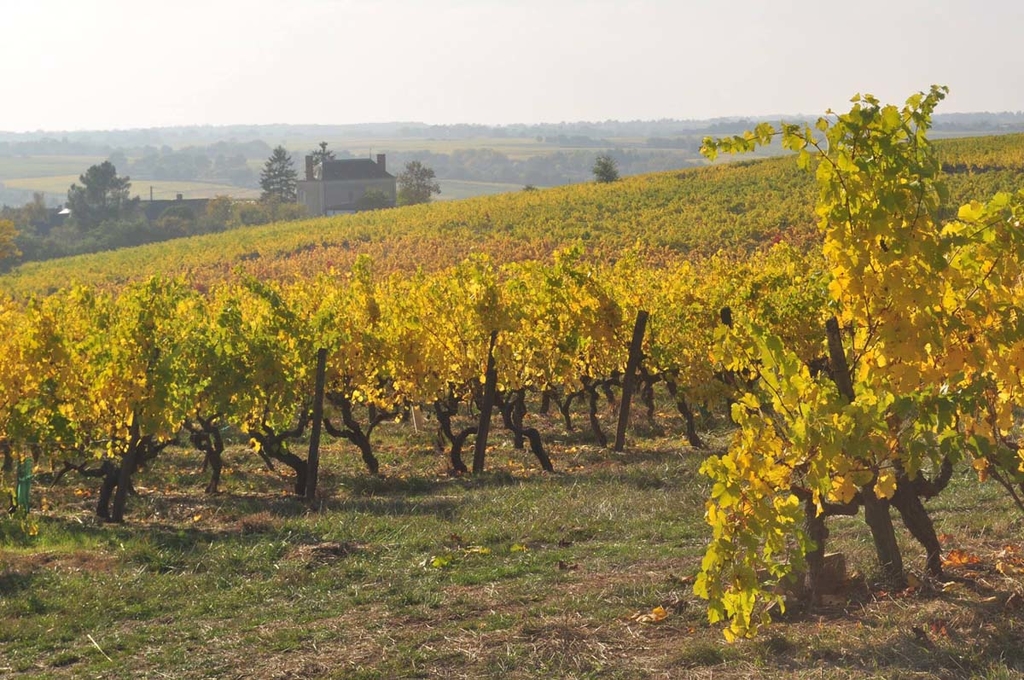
338 186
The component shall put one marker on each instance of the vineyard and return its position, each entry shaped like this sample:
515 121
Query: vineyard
829 335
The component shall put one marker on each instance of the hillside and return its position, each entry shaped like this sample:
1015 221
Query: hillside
694 212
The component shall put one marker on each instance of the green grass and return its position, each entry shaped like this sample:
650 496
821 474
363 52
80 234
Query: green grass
513 573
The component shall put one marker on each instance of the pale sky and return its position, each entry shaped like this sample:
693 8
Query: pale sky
114 64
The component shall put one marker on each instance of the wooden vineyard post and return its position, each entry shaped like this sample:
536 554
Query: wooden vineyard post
313 461
490 386
629 381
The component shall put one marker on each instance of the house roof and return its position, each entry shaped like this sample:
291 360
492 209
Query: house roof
353 168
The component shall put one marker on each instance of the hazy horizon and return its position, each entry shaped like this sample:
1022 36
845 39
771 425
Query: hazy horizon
116 65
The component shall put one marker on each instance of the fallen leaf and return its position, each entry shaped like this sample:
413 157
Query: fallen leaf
437 561
657 614
959 558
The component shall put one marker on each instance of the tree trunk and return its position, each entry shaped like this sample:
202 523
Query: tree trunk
111 473
814 524
129 464
565 408
545 403
444 414
609 395
273 446
629 380
487 406
595 424
313 457
508 415
216 457
366 451
917 521
206 438
354 431
647 397
518 413
455 455
876 514
687 413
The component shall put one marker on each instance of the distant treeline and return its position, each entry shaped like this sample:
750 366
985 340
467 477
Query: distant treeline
106 141
231 163
561 167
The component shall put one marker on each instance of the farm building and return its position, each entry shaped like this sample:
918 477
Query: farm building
340 186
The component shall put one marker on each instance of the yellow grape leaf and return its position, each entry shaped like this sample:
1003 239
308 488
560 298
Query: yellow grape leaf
971 212
981 465
885 485
843 489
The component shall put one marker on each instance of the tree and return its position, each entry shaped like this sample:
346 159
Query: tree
322 154
416 184
34 212
103 197
8 233
218 213
374 199
278 179
605 169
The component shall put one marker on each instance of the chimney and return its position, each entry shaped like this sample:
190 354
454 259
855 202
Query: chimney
380 162
179 197
309 168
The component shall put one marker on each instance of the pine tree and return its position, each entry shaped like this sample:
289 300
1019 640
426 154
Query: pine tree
102 197
278 179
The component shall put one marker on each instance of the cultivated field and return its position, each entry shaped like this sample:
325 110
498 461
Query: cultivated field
162 189
516 573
